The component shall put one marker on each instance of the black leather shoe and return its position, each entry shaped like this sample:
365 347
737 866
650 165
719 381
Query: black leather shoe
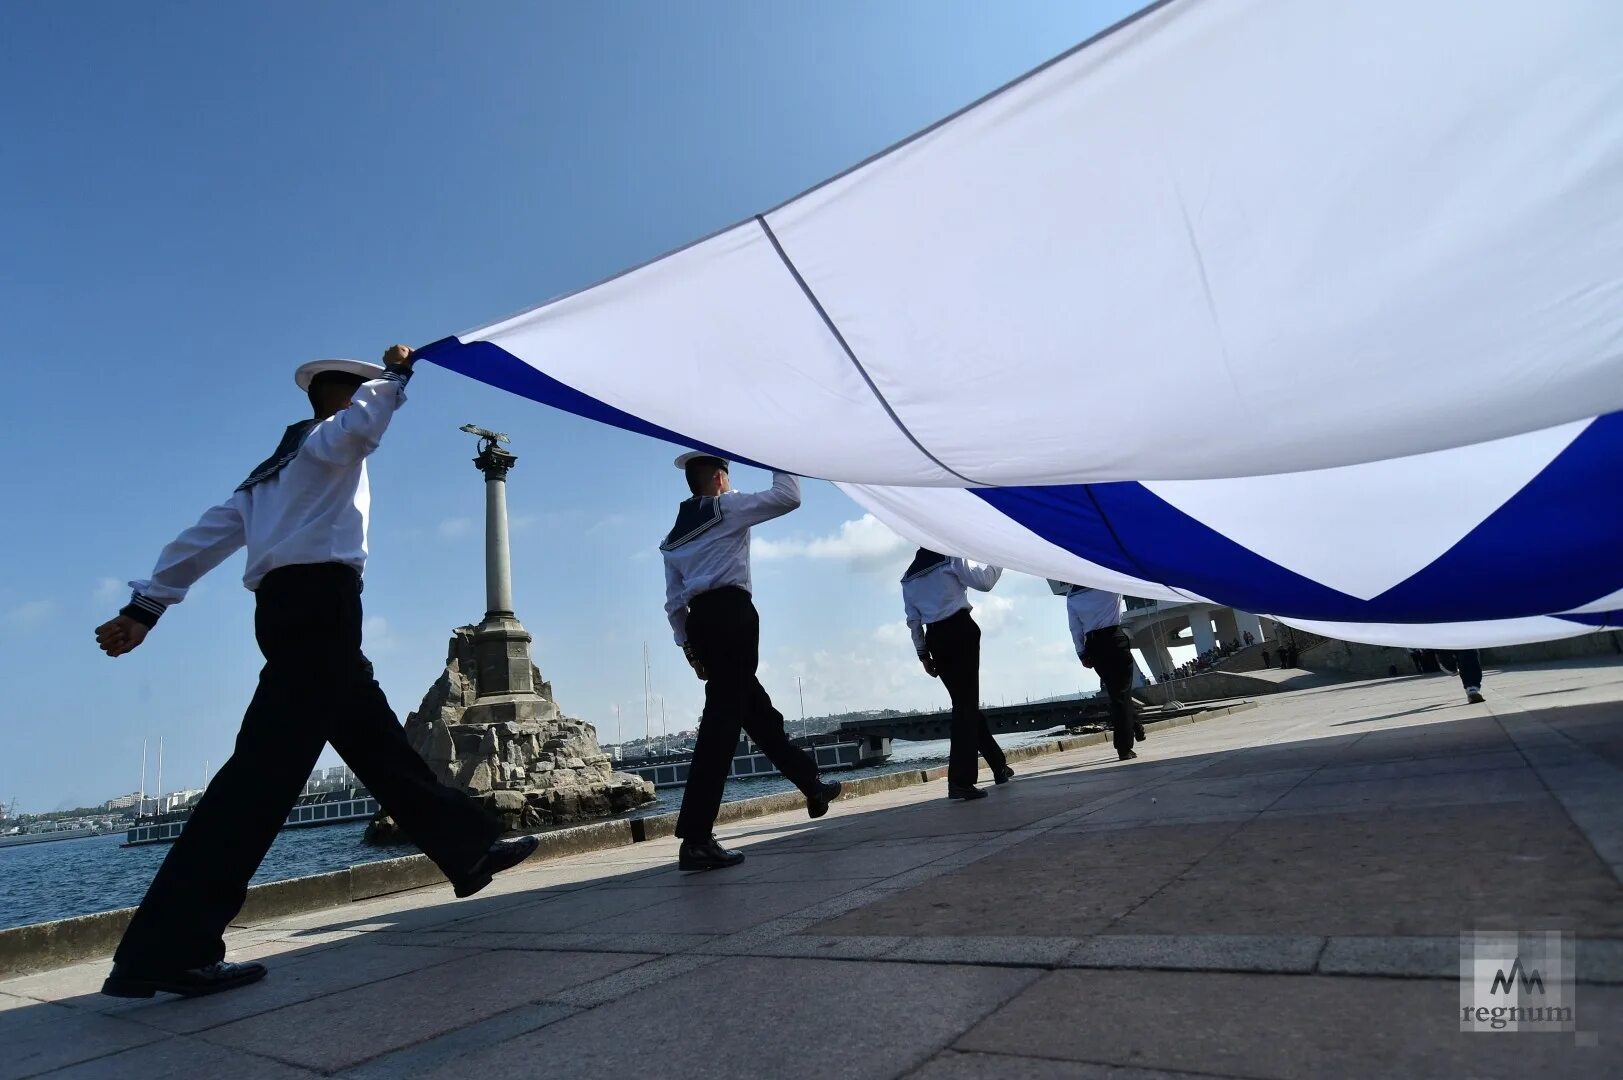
1138 731
503 855
193 982
1126 755
706 854
1003 775
964 792
817 805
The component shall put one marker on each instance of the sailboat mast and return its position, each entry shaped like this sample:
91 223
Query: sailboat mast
647 715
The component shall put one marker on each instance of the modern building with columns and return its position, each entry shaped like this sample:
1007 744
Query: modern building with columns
1158 626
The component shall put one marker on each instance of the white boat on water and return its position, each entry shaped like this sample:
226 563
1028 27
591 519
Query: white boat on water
831 751
322 808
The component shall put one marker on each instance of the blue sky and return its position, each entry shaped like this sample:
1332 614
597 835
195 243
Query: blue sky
199 197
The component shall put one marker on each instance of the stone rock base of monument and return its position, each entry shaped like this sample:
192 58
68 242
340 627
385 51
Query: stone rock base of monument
511 747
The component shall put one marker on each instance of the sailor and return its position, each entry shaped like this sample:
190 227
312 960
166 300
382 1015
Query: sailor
1102 645
707 598
1467 664
302 515
948 641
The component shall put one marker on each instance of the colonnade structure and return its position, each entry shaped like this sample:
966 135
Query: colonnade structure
1158 626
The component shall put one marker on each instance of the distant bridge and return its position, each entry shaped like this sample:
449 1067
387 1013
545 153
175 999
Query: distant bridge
1003 719
1006 719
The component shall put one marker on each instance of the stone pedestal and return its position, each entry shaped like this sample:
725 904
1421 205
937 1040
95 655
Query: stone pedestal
489 724
514 749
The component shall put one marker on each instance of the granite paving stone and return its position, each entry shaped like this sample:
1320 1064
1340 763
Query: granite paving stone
726 909
1490 787
788 1019
1070 897
351 1026
1201 952
570 911
952 1065
328 972
1021 950
854 862
178 1056
1410 872
450 1049
1283 1026
32 1048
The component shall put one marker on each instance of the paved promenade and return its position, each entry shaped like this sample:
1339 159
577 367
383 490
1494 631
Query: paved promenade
1275 893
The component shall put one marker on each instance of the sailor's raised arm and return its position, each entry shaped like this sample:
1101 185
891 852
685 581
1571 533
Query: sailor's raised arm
354 432
976 576
185 559
754 507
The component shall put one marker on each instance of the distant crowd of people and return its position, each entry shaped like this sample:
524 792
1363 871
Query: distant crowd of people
1208 660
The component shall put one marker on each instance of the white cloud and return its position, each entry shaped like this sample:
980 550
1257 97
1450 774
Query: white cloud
994 612
378 636
894 633
30 614
1017 584
866 543
846 679
110 588
454 528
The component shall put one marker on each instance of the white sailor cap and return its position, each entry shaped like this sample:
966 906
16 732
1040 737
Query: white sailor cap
359 368
682 460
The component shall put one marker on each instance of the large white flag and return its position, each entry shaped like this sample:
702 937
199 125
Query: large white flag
1308 307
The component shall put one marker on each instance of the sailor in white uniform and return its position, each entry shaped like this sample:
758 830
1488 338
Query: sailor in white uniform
302 515
1102 645
707 598
948 642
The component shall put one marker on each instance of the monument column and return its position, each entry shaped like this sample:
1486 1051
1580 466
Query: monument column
489 724
495 462
501 644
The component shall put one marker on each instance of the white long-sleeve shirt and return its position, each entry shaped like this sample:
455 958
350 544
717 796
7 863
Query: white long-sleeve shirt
720 556
312 511
942 592
1090 610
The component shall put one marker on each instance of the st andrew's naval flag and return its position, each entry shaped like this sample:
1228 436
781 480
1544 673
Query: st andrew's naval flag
1307 307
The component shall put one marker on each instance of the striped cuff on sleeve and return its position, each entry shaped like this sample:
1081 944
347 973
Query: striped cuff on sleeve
401 375
143 609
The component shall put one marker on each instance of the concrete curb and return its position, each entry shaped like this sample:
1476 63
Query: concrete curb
27 950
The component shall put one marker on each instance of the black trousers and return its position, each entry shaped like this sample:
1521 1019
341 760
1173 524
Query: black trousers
1469 664
725 631
316 687
954 645
1110 652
